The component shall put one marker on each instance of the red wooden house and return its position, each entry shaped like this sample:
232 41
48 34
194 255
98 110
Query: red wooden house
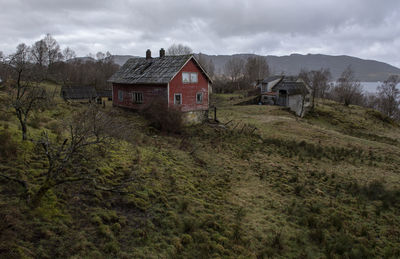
179 80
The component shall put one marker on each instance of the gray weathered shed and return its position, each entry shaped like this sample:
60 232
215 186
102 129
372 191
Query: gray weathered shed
286 91
78 92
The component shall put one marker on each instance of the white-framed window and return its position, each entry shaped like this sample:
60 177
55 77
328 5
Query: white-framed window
193 78
190 77
185 77
137 97
199 98
120 95
177 99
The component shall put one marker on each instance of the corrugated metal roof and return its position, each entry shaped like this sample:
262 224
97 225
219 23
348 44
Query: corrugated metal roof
149 71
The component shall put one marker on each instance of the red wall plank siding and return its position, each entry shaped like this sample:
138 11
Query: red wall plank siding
189 91
149 93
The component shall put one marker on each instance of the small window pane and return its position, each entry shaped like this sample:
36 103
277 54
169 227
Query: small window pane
193 77
185 77
120 95
199 97
178 99
137 97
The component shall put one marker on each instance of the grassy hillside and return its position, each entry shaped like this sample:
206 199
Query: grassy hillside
263 183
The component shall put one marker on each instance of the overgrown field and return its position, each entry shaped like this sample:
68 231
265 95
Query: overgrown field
261 184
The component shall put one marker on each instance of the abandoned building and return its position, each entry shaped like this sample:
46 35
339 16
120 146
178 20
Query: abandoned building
180 81
85 93
286 91
78 92
103 95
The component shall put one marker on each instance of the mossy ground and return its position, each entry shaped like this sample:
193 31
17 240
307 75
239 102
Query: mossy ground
267 184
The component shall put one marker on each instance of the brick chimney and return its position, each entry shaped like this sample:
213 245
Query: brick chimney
148 54
162 53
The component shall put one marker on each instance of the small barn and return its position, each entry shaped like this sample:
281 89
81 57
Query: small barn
78 92
178 80
103 95
286 91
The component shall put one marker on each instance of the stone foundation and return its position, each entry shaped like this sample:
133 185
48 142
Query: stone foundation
195 117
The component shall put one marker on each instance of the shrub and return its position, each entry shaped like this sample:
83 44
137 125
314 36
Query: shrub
6 116
342 244
374 190
56 127
317 235
277 241
111 247
161 117
186 239
9 147
34 122
336 221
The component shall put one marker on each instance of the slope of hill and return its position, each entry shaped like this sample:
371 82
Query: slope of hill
262 184
121 59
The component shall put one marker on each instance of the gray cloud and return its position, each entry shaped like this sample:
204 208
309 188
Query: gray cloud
365 28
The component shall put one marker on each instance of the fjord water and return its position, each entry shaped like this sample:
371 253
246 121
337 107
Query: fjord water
372 87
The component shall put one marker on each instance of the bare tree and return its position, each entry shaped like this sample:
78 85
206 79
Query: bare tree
348 89
256 68
3 70
68 54
305 96
25 94
234 68
39 53
318 80
100 56
53 49
207 64
178 49
87 129
372 101
389 96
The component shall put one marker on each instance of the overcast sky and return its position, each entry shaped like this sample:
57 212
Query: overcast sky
368 29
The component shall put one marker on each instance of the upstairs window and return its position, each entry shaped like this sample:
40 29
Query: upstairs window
185 78
193 78
120 95
137 97
199 98
189 77
177 99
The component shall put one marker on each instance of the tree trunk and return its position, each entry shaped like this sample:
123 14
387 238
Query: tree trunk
23 128
313 100
38 196
23 125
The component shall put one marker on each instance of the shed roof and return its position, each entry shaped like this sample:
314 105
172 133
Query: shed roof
271 78
291 87
104 93
152 71
78 92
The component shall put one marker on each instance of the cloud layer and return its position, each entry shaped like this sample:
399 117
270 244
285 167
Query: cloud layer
368 29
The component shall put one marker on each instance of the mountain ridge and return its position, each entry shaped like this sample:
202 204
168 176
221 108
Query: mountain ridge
366 70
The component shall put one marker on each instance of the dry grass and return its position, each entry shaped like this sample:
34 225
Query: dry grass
292 188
